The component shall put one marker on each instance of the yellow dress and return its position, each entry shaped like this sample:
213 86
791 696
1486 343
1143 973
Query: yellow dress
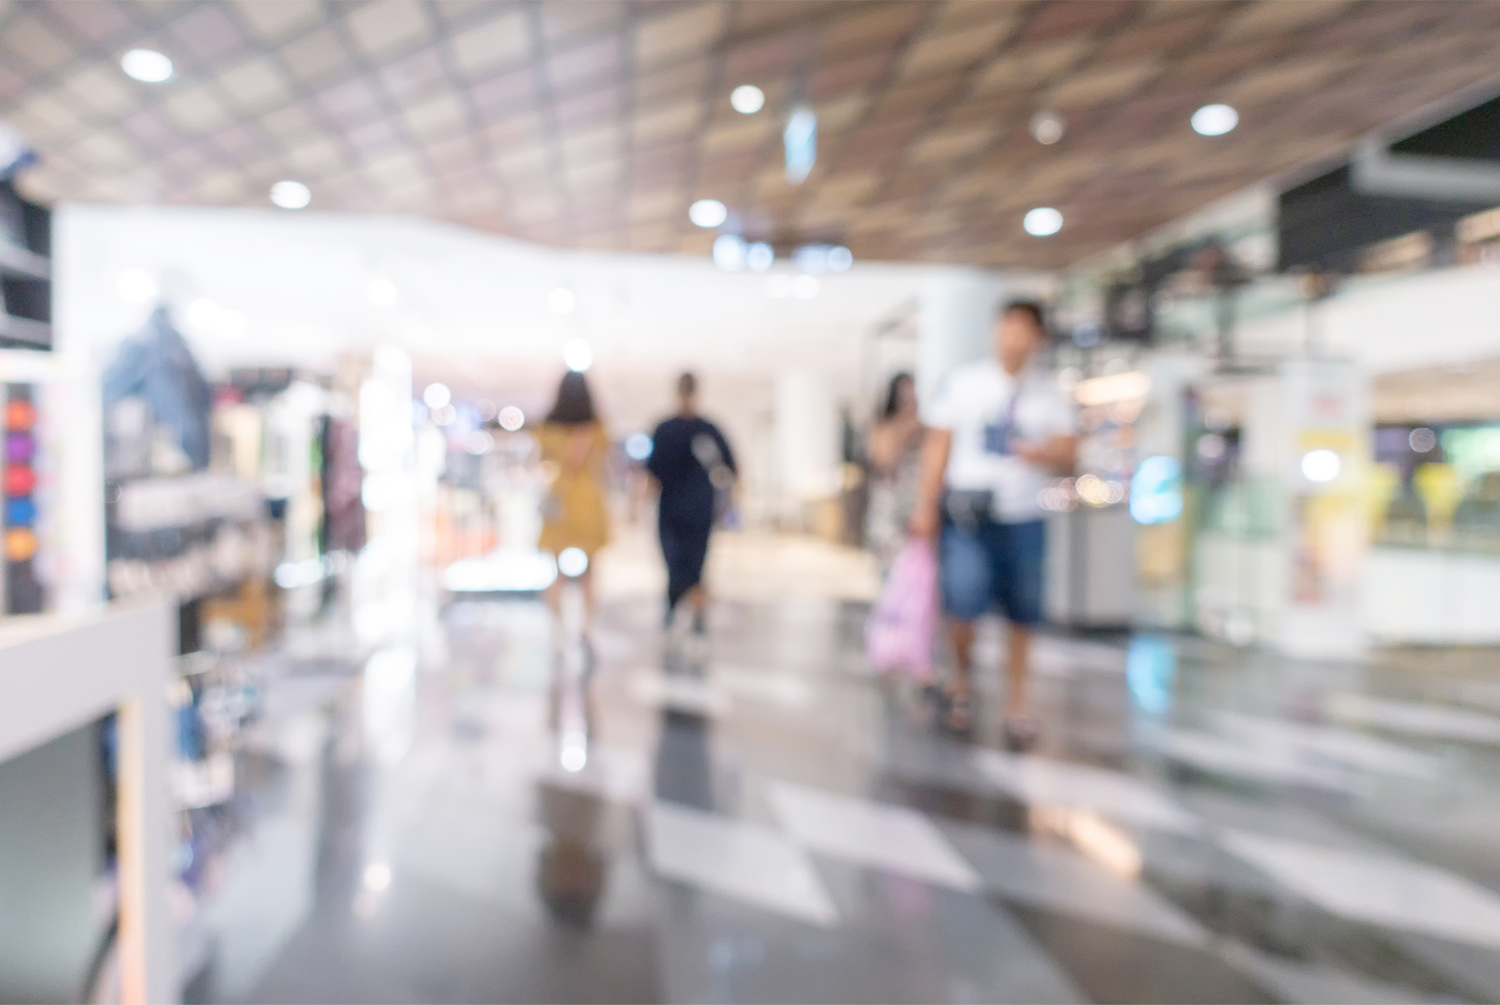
574 513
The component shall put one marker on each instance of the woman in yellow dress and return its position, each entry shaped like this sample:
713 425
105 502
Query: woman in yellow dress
574 446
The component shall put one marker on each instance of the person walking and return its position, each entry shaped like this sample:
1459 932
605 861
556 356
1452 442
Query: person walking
894 455
574 446
998 432
695 471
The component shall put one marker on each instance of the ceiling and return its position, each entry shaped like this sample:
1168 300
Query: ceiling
595 124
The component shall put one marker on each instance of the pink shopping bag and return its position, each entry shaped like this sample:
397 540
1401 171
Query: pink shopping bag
899 634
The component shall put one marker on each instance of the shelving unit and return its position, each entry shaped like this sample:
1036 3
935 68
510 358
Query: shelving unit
25 272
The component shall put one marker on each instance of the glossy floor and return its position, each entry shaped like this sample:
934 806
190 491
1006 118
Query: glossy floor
480 815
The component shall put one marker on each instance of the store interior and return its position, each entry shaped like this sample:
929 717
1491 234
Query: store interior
296 703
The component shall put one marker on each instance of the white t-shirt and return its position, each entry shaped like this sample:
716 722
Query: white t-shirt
975 404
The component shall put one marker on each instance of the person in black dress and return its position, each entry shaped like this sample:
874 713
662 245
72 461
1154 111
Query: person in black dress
694 467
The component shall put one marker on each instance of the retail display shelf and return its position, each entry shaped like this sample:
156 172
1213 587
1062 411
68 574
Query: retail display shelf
25 331
18 261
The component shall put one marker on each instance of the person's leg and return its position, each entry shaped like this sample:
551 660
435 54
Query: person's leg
966 585
695 553
667 534
1020 554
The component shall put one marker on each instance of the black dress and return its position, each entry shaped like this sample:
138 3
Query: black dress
684 453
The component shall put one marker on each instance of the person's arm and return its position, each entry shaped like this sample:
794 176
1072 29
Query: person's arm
936 446
1058 454
725 453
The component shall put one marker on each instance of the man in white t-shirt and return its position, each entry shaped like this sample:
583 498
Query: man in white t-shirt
999 432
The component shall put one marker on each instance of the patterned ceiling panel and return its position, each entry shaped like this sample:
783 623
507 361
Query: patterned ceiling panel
596 123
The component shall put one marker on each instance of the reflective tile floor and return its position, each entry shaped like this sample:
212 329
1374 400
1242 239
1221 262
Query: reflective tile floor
479 817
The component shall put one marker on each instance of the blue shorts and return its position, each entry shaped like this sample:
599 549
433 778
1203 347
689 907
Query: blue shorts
993 564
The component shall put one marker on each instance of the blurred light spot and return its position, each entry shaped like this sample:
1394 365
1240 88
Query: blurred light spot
1211 447
479 443
1422 439
561 301
572 562
1156 490
577 355
377 878
512 418
1150 668
638 446
800 142
1043 221
574 754
146 65
508 571
444 416
1321 465
760 256
437 395
708 213
730 252
840 259
1047 128
136 286
382 292
291 194
747 99
1215 120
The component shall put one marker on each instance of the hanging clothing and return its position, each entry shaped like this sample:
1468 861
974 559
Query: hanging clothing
156 364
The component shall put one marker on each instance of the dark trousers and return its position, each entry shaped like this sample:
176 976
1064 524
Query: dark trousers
684 546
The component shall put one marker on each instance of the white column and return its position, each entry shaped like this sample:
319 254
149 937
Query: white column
807 440
955 322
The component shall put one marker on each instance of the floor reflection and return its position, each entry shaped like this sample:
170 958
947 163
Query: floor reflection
512 814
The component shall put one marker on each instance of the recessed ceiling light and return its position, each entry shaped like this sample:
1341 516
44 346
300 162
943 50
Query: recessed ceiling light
1043 221
291 194
1215 120
146 65
708 213
1047 128
747 99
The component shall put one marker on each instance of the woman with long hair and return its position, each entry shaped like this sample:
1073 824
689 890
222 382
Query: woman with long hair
895 450
574 446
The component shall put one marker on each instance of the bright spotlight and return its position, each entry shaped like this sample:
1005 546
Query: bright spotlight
1043 221
146 65
437 395
1321 465
747 99
708 213
562 300
291 194
572 562
136 286
760 256
511 418
479 443
638 446
574 753
1215 120
578 355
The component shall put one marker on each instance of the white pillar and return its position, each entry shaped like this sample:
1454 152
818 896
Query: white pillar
807 440
955 320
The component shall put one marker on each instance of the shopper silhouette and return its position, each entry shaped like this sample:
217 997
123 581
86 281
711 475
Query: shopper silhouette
695 470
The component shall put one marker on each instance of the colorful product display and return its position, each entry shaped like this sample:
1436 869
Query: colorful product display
23 591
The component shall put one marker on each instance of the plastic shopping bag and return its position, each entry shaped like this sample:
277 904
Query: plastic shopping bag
899 634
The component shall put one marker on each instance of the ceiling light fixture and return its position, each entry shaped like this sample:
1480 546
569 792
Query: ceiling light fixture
437 395
800 142
708 213
146 65
1215 120
291 194
747 99
1044 221
731 253
1047 128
